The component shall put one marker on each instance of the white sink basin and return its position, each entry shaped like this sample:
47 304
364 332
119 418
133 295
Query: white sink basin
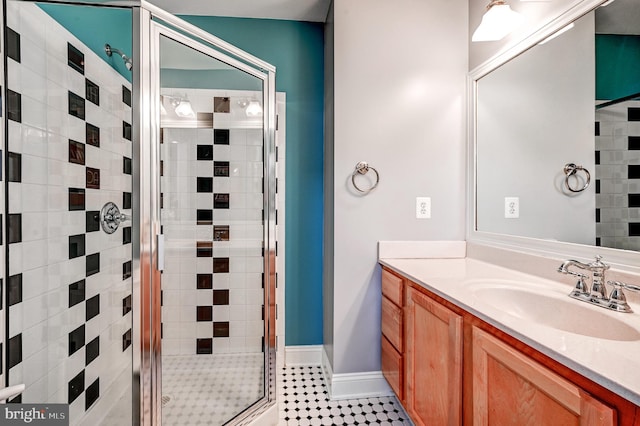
550 307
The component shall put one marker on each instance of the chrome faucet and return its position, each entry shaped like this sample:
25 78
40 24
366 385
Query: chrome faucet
598 293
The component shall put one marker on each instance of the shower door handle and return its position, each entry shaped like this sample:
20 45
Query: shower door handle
160 249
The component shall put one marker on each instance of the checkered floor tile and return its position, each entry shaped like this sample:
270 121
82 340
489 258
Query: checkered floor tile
303 400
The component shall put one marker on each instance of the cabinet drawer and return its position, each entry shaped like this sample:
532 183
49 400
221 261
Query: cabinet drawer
392 325
392 368
392 287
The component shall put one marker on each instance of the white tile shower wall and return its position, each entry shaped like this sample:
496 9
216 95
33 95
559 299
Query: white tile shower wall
618 176
212 178
70 283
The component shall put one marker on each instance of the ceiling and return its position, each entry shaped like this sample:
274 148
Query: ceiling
295 10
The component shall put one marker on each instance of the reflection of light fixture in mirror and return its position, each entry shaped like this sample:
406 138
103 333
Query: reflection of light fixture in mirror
253 109
557 33
498 21
181 106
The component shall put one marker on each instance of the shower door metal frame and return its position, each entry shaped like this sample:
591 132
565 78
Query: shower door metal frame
147 31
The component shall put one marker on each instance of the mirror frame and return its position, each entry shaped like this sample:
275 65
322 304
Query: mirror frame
625 260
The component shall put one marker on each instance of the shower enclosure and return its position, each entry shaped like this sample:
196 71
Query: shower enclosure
139 223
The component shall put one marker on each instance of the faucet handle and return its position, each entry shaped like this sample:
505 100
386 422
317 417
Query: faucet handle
617 299
581 289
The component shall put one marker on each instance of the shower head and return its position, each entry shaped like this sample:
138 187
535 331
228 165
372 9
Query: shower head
111 50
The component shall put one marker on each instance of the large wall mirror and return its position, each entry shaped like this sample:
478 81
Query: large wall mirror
555 150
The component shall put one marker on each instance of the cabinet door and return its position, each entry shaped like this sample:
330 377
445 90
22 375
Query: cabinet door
433 340
511 389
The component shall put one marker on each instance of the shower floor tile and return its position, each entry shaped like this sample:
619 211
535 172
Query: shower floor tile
209 389
303 400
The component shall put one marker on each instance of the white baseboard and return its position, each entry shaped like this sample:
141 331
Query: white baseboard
354 385
303 355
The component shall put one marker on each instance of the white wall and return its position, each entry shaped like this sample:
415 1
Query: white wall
535 114
399 74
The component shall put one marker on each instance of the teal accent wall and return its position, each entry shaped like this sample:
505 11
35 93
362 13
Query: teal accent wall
296 49
617 66
97 26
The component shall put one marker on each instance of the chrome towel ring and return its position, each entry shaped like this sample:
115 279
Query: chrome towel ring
571 169
362 168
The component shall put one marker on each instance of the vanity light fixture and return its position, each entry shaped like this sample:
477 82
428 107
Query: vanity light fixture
498 21
253 109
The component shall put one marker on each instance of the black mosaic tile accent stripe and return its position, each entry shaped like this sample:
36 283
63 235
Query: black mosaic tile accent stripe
76 199
126 305
597 129
76 106
92 178
221 329
204 313
92 307
76 387
126 270
14 231
597 158
220 265
598 242
126 130
204 346
220 201
76 152
76 340
634 200
92 92
126 340
221 168
204 217
127 166
633 171
14 352
76 293
12 44
76 246
633 143
634 229
14 106
220 297
92 135
92 221
633 114
126 235
126 96
126 200
221 104
205 152
14 167
93 264
92 394
597 215
597 186
75 58
221 136
14 289
204 184
221 233
92 351
204 281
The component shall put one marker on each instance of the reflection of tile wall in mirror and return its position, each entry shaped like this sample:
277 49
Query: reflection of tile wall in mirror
221 233
221 104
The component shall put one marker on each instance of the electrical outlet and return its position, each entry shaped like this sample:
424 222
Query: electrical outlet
423 207
511 207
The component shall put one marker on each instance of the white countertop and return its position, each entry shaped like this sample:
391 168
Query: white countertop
614 364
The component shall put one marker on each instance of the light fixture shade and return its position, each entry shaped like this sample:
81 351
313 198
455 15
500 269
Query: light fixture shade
496 23
253 109
184 109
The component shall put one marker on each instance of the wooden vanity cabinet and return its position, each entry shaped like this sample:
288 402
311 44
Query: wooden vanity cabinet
449 367
433 361
393 332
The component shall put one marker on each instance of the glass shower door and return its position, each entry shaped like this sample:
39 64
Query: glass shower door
213 215
68 153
